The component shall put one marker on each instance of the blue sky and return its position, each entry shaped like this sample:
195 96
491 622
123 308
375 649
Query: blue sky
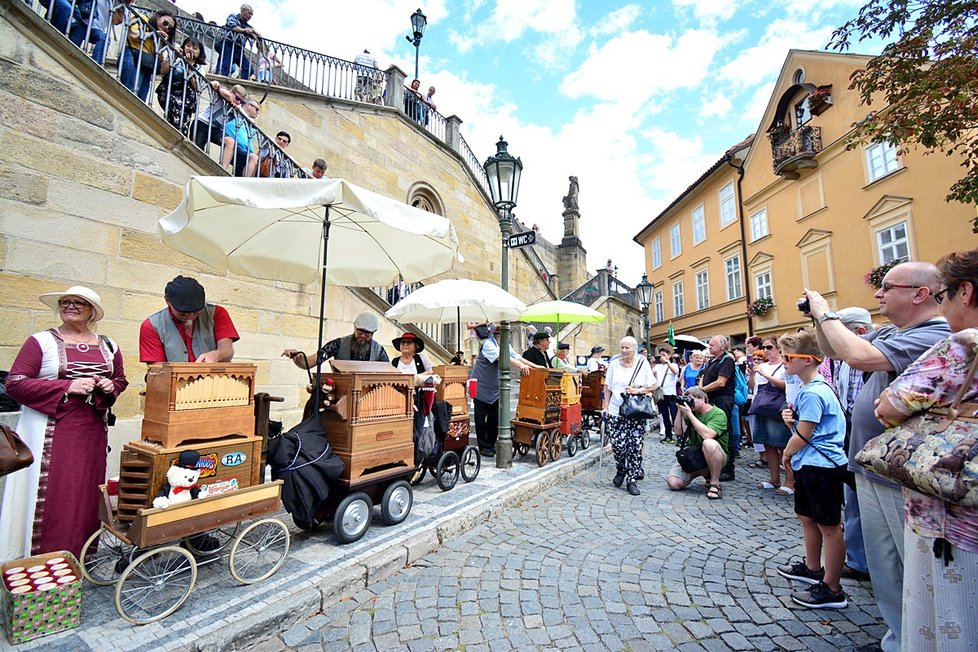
636 99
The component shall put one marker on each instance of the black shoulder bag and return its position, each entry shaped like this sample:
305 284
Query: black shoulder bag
636 407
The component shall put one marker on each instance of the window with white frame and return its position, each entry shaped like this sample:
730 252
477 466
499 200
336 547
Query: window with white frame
699 225
881 159
728 210
675 240
657 307
678 305
762 286
758 224
656 254
734 286
893 243
702 289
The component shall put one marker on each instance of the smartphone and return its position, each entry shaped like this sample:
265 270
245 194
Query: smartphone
750 362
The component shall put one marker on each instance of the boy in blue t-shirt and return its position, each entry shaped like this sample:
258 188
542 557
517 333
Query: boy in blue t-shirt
817 456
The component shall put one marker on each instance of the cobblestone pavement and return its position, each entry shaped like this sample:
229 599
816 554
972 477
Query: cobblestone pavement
585 566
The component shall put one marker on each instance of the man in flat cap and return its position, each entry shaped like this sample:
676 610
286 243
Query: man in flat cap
359 345
537 354
563 359
189 329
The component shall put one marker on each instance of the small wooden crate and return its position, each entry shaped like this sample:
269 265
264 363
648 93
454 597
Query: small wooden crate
226 465
367 412
540 396
570 387
570 419
187 401
454 380
38 613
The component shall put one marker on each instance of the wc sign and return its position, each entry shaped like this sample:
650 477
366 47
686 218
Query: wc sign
233 459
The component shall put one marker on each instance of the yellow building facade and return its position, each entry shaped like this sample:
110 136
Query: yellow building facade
806 213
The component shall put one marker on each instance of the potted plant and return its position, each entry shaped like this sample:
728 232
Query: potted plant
778 132
820 99
874 277
760 307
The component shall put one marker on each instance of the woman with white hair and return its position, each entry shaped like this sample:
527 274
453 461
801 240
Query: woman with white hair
67 379
629 374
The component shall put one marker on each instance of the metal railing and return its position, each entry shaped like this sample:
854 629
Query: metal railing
600 285
805 141
147 55
444 334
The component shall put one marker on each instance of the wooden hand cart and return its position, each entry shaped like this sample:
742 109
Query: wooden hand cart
153 559
457 458
545 439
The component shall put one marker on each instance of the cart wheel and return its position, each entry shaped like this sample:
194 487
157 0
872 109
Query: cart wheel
397 502
522 449
542 447
418 475
104 556
155 585
471 463
555 444
259 551
212 541
352 518
572 446
447 471
585 439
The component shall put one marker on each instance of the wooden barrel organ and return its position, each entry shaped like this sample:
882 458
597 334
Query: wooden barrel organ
592 391
204 407
540 396
452 390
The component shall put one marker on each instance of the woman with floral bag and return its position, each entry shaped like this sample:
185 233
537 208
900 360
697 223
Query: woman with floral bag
941 538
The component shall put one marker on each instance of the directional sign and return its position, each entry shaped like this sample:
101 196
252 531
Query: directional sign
524 239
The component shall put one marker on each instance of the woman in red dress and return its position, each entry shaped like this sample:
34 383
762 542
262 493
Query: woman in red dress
66 379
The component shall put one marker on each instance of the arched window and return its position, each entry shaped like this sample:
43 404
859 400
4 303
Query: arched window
423 196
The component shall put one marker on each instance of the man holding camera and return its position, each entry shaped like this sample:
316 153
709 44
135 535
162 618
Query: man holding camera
707 428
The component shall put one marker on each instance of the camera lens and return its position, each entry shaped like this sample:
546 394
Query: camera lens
804 305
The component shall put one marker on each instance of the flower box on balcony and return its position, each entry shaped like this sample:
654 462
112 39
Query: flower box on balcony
820 99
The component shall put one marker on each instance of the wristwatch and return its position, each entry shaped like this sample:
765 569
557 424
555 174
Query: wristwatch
827 316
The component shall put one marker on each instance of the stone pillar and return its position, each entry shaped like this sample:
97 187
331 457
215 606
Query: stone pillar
453 133
395 88
571 256
555 284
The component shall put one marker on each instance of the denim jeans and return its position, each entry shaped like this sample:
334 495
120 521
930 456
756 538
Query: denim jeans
96 37
133 71
881 509
233 53
59 13
855 547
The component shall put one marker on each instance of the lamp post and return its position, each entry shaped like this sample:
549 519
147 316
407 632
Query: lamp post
644 290
418 22
504 173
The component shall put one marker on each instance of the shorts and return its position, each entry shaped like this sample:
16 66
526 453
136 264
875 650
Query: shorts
818 493
770 432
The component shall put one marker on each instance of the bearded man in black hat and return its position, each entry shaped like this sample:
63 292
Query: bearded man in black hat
359 345
189 329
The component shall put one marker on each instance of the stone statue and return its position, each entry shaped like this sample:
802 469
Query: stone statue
570 201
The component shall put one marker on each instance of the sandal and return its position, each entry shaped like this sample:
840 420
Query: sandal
714 492
784 491
767 485
759 464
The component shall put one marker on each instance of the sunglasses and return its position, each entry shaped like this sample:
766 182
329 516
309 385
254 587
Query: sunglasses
66 303
939 296
769 347
886 287
801 356
364 333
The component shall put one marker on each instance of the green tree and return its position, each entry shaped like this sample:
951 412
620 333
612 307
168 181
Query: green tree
925 80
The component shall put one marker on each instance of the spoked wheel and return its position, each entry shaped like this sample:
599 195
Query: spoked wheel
103 557
397 502
585 439
555 444
542 447
447 472
212 541
259 551
471 463
522 449
572 446
418 475
155 585
353 516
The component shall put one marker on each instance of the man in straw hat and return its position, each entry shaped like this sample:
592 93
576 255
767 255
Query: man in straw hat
189 329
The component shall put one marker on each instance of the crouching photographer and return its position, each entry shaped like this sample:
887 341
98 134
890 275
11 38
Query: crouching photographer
704 455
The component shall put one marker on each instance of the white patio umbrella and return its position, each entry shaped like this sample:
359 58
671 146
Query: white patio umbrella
566 312
457 300
299 230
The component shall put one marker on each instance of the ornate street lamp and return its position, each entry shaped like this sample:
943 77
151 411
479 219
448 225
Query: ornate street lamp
418 22
504 184
644 290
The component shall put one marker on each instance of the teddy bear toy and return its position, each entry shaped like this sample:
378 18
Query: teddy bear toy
181 482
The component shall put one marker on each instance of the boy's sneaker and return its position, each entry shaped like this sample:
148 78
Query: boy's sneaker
799 571
820 596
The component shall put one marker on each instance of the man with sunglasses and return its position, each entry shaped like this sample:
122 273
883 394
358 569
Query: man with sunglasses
189 329
907 298
359 345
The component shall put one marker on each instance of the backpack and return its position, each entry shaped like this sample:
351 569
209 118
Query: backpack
740 386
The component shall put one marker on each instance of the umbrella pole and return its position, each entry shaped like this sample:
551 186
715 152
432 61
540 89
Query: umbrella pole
322 314
458 329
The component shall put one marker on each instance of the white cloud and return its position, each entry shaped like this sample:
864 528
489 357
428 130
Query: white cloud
709 11
763 61
617 21
717 106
